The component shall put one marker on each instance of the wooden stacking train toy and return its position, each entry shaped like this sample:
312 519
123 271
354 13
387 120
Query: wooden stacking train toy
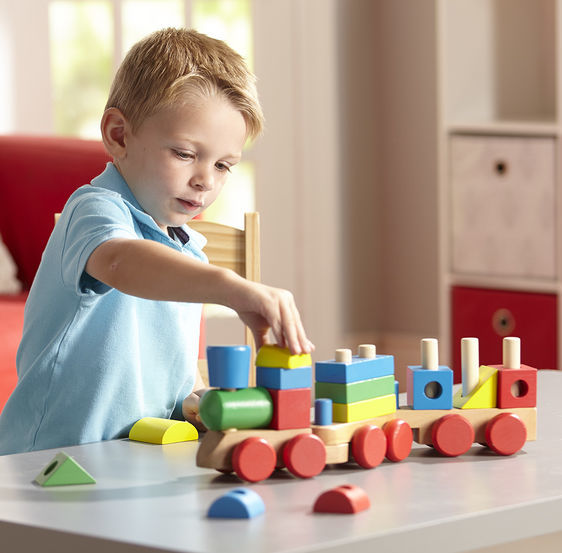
253 431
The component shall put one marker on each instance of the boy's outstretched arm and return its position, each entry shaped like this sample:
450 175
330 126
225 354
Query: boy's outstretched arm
153 271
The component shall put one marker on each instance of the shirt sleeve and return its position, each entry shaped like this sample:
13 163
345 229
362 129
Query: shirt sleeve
87 221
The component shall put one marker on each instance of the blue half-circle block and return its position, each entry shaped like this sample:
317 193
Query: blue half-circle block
237 503
229 366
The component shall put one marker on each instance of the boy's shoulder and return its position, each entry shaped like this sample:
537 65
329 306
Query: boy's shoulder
90 199
107 194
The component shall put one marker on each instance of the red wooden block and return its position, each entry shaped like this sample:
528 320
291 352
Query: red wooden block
346 499
368 446
291 408
452 435
399 438
305 455
517 387
506 433
254 459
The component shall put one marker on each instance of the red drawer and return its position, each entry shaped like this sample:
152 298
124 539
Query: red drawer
489 315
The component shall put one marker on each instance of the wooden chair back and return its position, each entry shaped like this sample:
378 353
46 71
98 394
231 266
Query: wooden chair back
235 249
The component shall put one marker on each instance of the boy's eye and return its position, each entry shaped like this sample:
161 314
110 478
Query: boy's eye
223 167
183 155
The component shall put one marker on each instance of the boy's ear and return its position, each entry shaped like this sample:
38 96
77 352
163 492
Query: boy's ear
114 128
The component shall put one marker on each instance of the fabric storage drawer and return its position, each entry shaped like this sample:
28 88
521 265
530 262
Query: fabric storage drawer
489 315
503 206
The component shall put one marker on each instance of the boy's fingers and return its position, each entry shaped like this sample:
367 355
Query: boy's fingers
292 328
306 345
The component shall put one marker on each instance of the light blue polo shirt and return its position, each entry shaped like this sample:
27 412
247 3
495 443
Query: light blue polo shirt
92 360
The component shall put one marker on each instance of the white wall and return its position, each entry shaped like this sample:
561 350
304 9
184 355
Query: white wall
24 68
346 170
298 161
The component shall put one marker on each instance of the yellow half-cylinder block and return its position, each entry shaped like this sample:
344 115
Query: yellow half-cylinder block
281 358
361 410
484 396
162 431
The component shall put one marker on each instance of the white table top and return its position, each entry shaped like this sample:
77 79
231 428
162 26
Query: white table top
154 498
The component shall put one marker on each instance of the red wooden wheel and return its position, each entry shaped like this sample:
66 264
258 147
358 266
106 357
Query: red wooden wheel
506 433
368 446
253 459
305 455
452 435
399 438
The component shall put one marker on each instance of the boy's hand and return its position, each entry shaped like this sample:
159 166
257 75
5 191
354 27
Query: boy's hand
190 409
263 307
150 270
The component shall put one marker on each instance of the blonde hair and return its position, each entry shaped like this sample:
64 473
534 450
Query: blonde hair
167 66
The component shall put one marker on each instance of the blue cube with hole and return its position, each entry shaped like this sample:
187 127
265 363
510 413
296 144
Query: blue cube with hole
429 389
229 366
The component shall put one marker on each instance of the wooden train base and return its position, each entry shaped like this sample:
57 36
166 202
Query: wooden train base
254 454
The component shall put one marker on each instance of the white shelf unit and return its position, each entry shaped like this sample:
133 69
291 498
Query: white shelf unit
499 82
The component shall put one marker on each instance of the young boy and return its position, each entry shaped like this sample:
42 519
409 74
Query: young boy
112 320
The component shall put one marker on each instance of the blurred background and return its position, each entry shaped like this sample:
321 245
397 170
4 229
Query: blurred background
351 174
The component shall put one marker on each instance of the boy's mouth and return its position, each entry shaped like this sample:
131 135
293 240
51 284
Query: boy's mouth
190 205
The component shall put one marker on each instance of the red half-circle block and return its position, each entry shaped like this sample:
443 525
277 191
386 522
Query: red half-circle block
347 499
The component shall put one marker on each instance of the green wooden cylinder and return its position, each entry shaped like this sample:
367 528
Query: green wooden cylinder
245 408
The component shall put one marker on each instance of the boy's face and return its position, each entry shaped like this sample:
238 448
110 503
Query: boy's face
178 161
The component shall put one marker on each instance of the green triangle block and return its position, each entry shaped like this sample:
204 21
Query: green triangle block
63 470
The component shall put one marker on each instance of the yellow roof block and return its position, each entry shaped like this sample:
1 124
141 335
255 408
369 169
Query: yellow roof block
281 358
162 431
484 396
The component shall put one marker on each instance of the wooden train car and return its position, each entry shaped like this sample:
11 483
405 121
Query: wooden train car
254 453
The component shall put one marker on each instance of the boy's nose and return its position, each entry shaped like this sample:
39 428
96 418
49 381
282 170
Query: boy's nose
202 180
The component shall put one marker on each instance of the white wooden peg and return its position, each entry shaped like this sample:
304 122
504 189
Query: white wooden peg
429 354
367 351
511 352
470 365
343 355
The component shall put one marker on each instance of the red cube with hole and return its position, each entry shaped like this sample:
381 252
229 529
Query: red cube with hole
291 408
516 387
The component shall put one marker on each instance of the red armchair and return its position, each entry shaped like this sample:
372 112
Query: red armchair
37 175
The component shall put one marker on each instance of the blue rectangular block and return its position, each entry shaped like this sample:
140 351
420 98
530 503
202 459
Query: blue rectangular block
284 379
360 368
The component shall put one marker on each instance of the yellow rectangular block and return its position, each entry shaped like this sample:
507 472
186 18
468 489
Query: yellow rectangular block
361 410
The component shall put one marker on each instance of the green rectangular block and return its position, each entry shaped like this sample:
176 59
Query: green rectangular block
356 391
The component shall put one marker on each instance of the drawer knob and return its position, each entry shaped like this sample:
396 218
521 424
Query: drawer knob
500 167
503 322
